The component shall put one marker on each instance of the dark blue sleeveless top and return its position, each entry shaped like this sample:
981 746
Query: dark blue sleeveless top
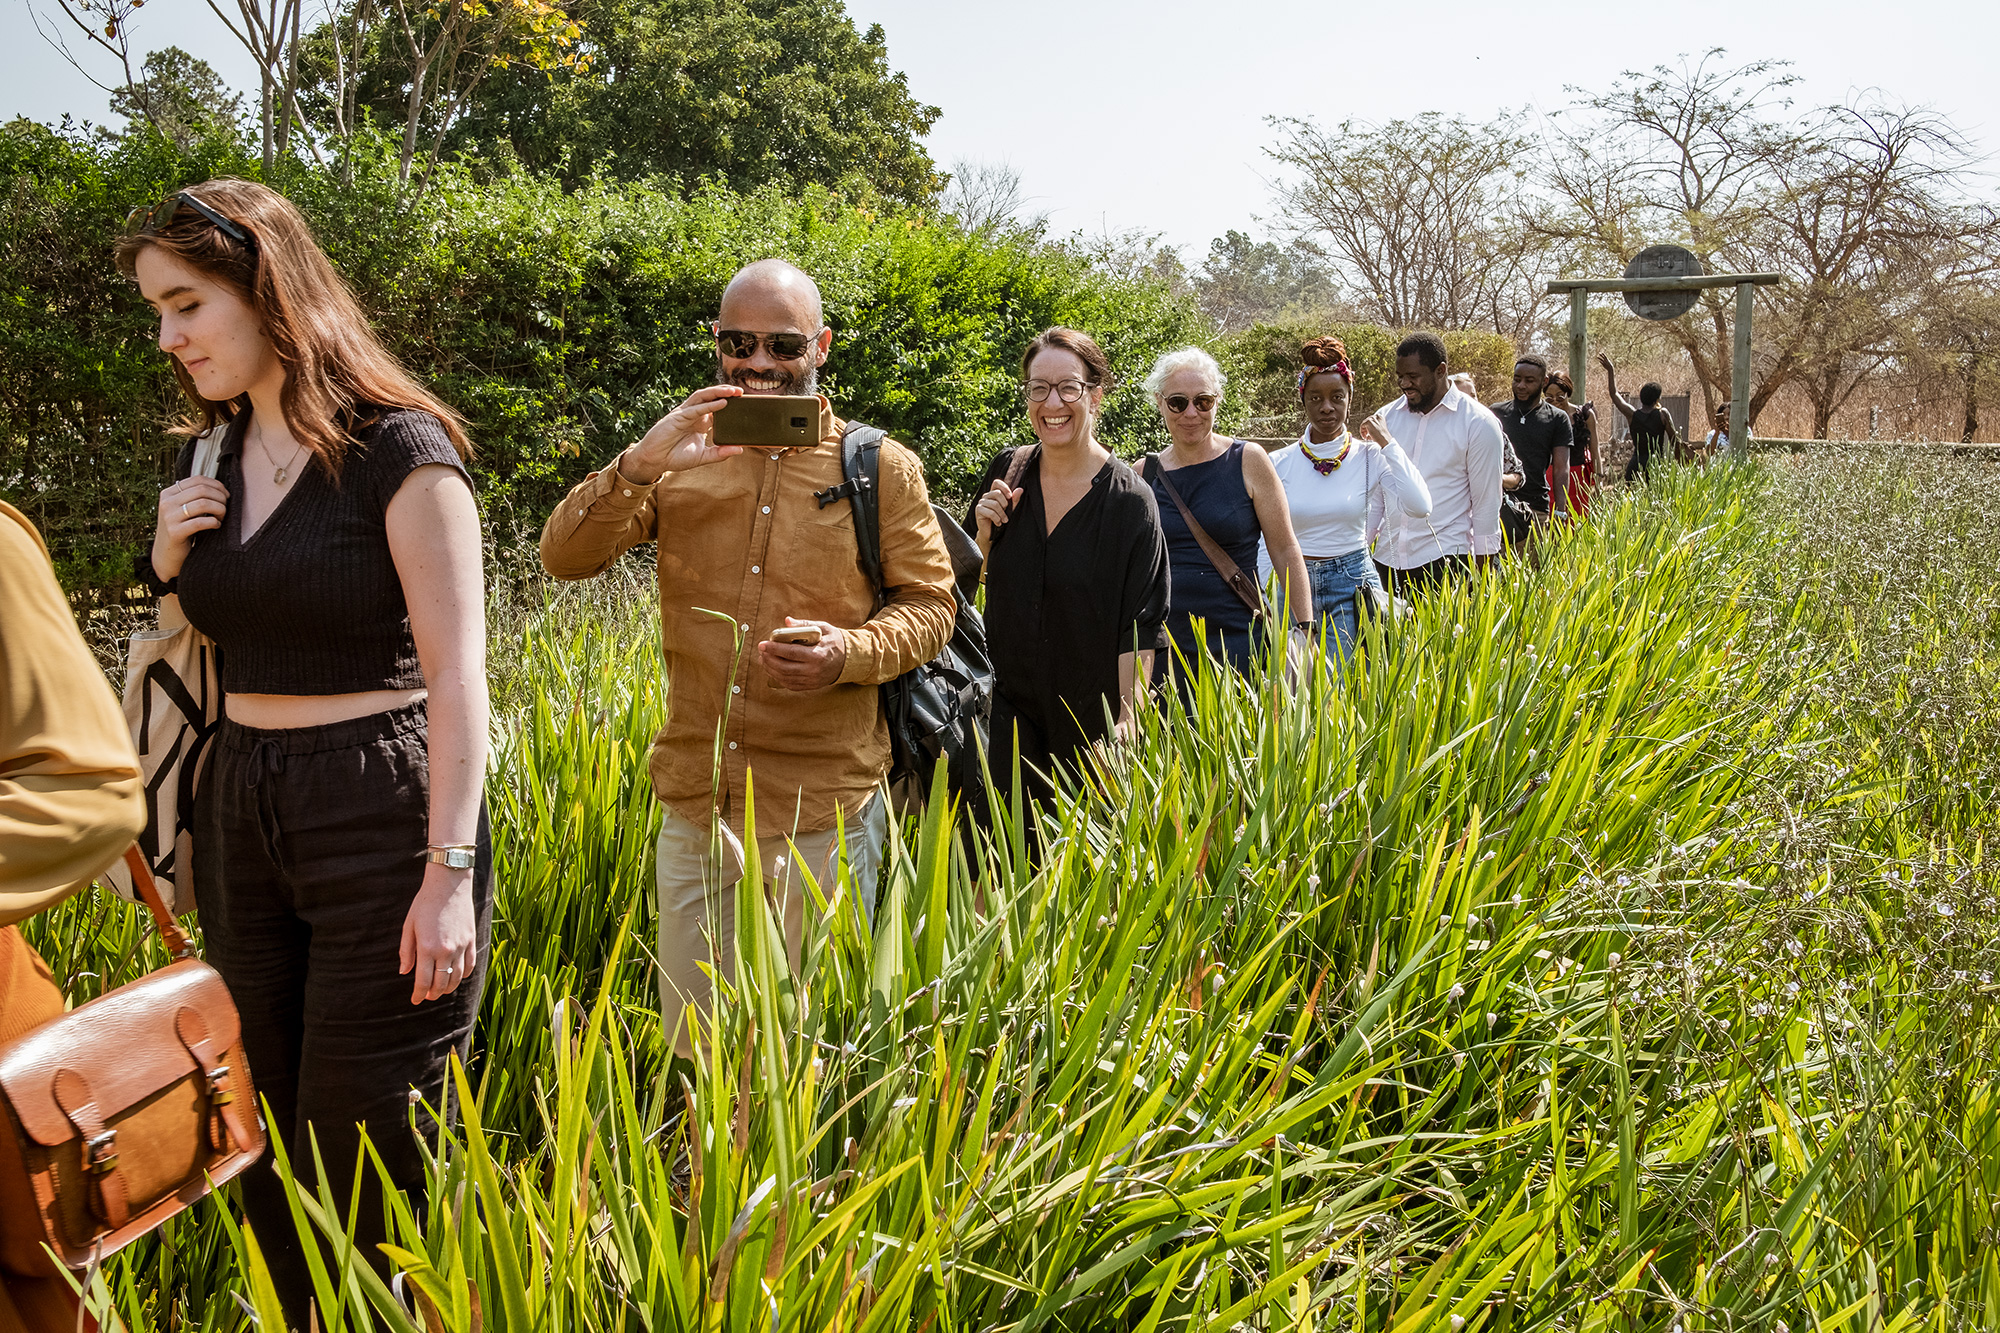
1216 495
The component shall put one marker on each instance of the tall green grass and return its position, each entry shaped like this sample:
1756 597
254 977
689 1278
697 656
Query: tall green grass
1595 956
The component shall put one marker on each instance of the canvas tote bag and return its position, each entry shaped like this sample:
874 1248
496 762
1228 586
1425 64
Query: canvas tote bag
173 703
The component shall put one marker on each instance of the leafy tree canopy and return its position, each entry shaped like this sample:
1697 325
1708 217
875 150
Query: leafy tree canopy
181 96
749 92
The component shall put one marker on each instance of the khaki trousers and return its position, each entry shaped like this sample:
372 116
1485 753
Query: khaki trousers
697 874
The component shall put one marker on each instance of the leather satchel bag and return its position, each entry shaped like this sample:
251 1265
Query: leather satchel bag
130 1108
173 703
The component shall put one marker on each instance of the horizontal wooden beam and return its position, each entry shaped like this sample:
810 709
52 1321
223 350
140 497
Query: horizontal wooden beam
1664 284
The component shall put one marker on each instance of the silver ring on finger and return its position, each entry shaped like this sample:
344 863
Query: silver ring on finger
184 511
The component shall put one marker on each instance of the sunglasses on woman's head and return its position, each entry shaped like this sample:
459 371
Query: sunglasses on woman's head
156 219
1178 403
741 346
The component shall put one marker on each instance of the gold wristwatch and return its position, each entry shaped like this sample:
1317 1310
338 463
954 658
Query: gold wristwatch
459 856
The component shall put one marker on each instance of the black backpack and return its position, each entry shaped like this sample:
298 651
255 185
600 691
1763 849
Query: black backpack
938 712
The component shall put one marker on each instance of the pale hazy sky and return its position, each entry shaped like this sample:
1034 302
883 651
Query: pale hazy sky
1123 113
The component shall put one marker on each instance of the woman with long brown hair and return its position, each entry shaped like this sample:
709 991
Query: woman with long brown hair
342 861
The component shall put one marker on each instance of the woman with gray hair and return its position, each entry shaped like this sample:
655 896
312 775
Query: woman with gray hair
1217 497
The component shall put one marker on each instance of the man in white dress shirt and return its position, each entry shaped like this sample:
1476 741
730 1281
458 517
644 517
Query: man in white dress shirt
1457 444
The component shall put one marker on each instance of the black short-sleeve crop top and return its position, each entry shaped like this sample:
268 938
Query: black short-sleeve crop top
312 603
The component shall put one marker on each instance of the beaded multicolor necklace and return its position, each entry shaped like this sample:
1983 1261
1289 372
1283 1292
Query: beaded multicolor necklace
1326 467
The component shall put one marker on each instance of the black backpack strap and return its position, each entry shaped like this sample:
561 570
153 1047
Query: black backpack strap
861 472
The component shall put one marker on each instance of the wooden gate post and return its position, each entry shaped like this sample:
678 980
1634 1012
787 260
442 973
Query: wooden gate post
1745 285
1579 346
1739 378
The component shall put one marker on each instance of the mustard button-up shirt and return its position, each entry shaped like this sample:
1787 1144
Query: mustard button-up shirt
70 793
742 544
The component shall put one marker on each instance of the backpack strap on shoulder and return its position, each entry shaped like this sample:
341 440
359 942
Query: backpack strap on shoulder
861 473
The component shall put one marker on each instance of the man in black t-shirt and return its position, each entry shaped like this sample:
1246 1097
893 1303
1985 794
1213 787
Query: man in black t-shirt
1541 436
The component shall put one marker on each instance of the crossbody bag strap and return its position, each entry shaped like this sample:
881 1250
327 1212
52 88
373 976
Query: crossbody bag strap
177 941
1018 464
1239 583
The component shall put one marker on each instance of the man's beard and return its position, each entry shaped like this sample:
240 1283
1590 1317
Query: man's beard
796 384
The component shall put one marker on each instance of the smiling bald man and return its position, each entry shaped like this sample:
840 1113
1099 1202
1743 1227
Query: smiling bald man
743 549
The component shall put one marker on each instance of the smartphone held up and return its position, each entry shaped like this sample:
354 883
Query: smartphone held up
767 421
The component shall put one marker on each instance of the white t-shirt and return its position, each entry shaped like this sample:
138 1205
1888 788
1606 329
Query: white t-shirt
1331 513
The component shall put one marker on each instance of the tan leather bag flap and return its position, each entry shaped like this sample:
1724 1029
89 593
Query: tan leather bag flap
140 1023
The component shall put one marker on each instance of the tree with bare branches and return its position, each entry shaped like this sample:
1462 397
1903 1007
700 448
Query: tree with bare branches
1416 217
1856 204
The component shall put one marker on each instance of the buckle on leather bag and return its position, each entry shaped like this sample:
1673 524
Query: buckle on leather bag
219 1093
100 1152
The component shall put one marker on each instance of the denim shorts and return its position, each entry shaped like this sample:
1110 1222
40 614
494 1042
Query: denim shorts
1334 583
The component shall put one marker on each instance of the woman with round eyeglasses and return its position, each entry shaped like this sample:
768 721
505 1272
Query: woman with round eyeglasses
1337 483
1076 572
1233 493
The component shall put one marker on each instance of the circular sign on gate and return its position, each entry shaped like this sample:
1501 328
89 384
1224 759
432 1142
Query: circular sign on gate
1663 261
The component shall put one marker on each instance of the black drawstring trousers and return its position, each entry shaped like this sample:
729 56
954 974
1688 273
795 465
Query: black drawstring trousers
309 849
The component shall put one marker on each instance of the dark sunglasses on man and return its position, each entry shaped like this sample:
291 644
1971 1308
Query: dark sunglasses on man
151 221
738 345
1178 403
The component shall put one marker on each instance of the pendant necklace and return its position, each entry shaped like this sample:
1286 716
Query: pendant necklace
282 470
1327 466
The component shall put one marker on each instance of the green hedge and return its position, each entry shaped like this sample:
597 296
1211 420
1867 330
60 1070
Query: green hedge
561 324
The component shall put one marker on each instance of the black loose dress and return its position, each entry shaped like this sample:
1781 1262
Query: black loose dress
1061 607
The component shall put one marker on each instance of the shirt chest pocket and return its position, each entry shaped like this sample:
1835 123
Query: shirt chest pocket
824 557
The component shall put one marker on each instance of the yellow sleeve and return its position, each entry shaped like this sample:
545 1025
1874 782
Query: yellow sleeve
70 787
601 518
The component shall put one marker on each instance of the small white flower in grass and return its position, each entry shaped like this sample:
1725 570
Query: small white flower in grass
1457 1322
1945 909
1491 1019
1456 994
1312 881
1614 960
